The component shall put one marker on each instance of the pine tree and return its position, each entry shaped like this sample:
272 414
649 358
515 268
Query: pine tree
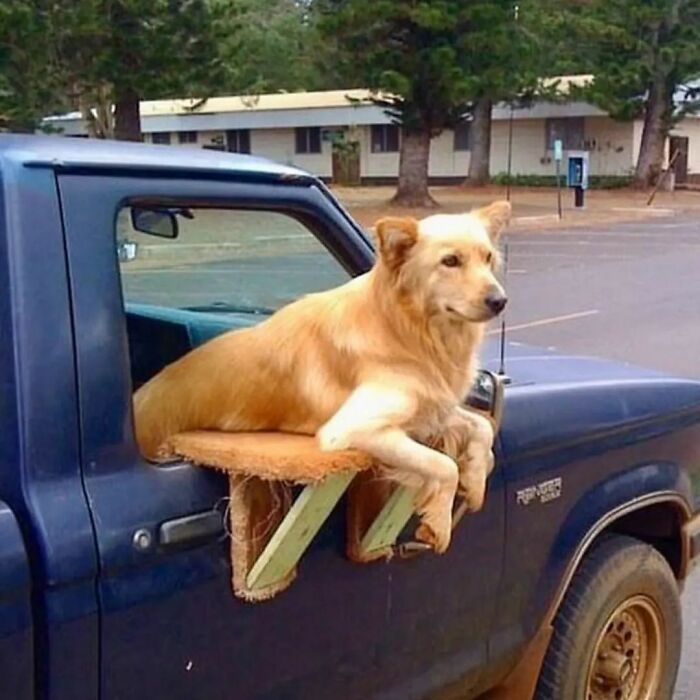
645 55
280 48
157 48
27 84
504 59
409 54
104 56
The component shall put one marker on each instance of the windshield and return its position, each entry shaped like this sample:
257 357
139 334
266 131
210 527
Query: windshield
224 260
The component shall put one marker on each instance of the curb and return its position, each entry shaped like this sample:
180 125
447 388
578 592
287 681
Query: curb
534 219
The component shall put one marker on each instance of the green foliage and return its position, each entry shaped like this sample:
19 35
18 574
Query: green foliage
409 52
26 86
87 53
279 47
633 47
595 182
503 50
165 48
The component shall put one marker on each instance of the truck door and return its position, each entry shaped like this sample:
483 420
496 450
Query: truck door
16 642
170 626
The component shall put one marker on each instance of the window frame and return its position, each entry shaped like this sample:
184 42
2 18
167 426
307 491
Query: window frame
385 138
574 135
240 139
161 138
307 140
185 137
462 137
98 301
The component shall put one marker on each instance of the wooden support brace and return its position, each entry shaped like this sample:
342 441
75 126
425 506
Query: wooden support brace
307 515
297 530
392 519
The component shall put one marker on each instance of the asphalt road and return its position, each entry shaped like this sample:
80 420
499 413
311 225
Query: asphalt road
630 292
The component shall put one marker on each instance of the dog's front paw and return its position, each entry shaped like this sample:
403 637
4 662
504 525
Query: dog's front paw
472 490
329 439
437 535
435 526
476 463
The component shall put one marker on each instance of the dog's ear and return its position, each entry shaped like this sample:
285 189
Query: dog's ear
494 217
396 236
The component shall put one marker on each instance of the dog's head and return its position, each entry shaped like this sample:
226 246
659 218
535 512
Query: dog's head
445 264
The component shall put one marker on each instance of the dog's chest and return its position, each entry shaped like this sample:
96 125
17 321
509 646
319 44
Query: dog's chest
437 405
431 418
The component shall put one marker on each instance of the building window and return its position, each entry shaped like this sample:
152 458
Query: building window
569 130
238 140
462 141
308 139
162 137
385 138
187 136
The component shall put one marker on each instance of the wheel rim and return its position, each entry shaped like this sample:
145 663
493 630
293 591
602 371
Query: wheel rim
627 659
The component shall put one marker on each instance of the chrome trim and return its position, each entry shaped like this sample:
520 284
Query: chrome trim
600 525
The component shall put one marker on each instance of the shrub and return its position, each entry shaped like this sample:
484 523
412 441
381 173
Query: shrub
595 182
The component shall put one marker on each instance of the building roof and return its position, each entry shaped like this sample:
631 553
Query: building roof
328 109
564 83
95 154
261 103
355 97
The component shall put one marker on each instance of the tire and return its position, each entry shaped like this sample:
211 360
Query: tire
617 634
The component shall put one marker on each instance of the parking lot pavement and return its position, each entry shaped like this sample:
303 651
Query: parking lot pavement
628 292
634 286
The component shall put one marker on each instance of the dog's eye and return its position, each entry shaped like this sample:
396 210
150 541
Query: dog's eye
451 261
489 258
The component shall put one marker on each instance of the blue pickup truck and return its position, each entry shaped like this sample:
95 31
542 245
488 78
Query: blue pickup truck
565 586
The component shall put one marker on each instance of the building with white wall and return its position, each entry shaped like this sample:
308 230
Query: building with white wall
302 129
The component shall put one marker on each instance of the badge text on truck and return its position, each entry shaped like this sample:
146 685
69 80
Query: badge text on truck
544 492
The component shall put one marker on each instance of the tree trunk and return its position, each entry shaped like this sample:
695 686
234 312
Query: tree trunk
127 118
657 123
480 143
413 170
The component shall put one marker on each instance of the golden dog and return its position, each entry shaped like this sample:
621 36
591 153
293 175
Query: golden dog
381 364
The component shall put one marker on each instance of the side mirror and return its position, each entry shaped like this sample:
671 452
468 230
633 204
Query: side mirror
486 396
156 222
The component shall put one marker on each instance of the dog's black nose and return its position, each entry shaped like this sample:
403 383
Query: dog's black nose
496 302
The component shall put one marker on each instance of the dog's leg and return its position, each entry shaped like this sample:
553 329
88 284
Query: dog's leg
468 438
432 473
367 421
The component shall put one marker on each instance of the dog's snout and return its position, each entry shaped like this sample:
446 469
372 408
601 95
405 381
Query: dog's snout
496 302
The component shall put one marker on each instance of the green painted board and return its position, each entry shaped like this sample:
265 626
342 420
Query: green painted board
295 532
392 519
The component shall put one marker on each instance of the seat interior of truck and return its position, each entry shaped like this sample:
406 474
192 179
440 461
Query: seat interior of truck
160 335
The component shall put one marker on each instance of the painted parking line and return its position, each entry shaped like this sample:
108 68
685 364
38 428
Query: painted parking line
619 233
574 256
605 240
547 321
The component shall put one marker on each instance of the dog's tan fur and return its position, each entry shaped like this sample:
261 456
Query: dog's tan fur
380 364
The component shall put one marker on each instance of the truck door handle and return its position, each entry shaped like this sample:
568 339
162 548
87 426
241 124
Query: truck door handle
191 528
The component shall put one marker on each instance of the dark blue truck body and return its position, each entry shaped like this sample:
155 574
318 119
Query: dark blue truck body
85 614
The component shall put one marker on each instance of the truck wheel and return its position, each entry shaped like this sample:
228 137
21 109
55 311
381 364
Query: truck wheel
617 634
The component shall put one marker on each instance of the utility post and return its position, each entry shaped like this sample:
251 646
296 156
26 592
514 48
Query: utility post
558 157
